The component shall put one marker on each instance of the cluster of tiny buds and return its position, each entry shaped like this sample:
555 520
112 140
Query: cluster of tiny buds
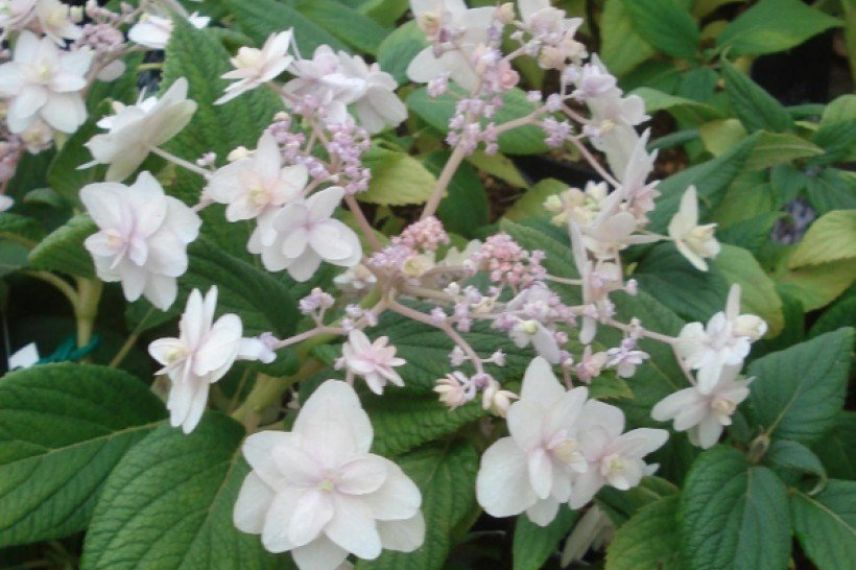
100 15
508 263
456 389
353 313
316 303
424 235
103 38
292 147
347 144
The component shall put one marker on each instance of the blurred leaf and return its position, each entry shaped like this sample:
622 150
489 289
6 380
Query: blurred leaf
622 47
648 540
665 25
531 203
350 26
825 525
261 18
780 148
533 545
721 135
22 229
835 448
682 108
498 166
398 49
818 285
397 178
755 108
13 256
465 207
773 25
832 189
63 249
832 237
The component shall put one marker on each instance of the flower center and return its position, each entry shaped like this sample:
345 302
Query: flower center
327 485
613 465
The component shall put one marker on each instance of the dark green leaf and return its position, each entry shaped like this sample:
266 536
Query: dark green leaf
755 108
825 525
399 48
533 545
835 448
465 208
261 18
63 427
666 25
63 249
798 392
647 541
350 26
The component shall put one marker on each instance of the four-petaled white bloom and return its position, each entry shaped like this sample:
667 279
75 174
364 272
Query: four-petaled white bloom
201 355
613 458
704 416
254 67
135 129
695 242
725 341
374 361
44 83
532 469
317 491
143 237
458 31
254 184
153 30
303 233
378 107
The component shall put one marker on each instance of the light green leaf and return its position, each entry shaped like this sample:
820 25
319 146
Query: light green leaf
498 166
531 203
522 140
648 540
721 135
825 525
62 250
446 475
818 285
399 48
63 427
755 108
168 505
832 237
733 515
533 545
397 179
665 25
623 48
798 392
773 25
758 292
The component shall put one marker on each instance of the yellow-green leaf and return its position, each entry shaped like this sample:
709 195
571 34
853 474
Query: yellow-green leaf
397 179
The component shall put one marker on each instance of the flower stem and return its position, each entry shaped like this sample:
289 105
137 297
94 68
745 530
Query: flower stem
178 161
443 181
86 308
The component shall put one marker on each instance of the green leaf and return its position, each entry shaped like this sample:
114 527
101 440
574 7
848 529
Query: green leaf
773 25
498 166
263 302
711 179
13 256
465 207
531 203
758 292
523 140
832 237
790 456
623 505
446 475
798 392
752 233
825 525
623 48
832 189
755 108
350 26
780 148
835 448
62 250
533 545
838 140
261 18
399 48
403 422
817 285
397 179
733 515
647 541
840 314
63 427
168 504
22 229
682 108
721 135
665 25
198 56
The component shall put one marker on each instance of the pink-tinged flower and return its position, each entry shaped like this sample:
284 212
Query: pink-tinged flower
378 107
374 361
455 390
142 238
325 81
531 470
43 82
318 493
251 185
695 242
135 129
153 31
254 67
704 416
303 233
457 31
200 356
613 458
724 342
